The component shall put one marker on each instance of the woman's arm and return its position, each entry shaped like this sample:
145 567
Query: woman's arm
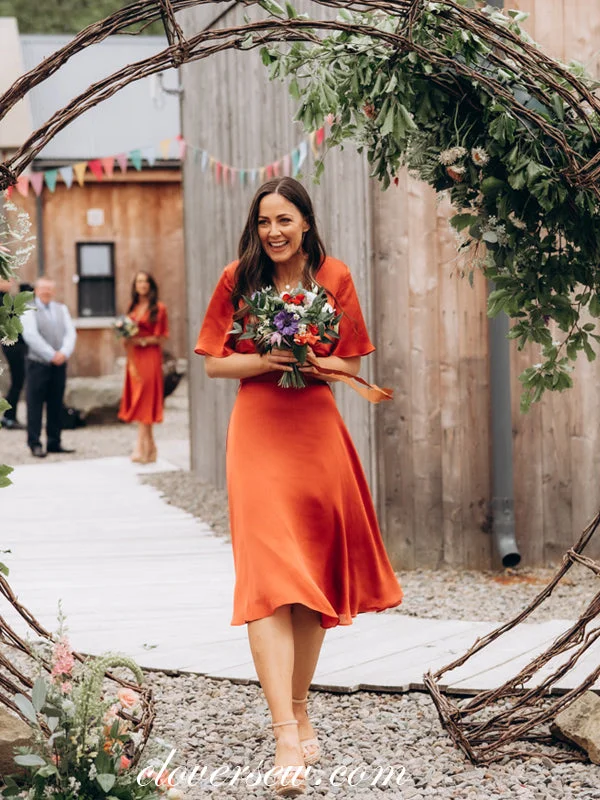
349 365
248 365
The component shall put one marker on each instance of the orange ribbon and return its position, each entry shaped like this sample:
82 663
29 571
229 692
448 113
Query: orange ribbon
370 391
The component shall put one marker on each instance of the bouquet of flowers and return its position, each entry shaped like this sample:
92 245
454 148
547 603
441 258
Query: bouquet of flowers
294 320
85 741
125 327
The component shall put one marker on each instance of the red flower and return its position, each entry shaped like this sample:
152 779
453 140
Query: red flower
287 298
314 329
301 338
297 300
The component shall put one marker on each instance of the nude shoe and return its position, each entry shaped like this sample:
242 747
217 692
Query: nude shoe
287 784
311 749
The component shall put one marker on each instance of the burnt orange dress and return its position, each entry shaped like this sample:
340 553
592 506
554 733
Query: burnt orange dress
303 525
143 393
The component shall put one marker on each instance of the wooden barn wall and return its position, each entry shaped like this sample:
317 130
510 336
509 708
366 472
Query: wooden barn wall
144 218
427 453
234 112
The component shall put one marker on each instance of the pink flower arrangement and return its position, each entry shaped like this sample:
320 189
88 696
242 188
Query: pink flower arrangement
62 660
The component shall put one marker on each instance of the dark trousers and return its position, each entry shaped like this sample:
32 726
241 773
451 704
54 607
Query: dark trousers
45 384
15 355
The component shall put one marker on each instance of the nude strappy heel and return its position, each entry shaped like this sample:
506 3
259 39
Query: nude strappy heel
284 787
311 749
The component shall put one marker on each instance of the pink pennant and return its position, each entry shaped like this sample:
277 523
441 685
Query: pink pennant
108 165
36 179
182 146
286 165
276 169
122 161
218 171
320 137
95 166
22 185
269 172
225 173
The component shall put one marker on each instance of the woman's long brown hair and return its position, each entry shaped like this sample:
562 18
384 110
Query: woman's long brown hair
152 295
255 268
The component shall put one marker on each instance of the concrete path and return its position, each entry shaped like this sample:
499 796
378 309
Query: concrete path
139 576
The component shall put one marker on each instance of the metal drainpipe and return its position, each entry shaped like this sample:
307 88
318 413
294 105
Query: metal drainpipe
503 498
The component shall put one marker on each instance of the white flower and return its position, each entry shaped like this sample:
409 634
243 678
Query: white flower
538 367
452 155
555 343
309 299
479 156
329 308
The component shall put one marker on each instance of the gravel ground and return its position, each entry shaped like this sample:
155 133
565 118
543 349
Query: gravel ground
213 723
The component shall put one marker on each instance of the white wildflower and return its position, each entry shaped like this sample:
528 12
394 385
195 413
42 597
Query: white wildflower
555 343
538 367
7 340
452 155
479 156
329 309
309 298
93 772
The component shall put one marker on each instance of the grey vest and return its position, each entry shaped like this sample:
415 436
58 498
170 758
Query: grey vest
51 326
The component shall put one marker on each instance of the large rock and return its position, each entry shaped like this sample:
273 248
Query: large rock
97 399
13 733
580 723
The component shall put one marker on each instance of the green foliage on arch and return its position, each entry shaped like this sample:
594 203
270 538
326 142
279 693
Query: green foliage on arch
531 231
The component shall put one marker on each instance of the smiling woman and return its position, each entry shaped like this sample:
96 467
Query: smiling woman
308 551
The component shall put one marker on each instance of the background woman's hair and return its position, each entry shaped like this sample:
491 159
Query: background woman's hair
152 295
255 268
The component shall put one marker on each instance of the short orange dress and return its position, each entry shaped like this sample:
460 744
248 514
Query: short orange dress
303 525
143 393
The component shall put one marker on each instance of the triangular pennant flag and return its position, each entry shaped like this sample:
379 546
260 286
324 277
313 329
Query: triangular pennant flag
254 175
269 171
276 169
242 177
204 163
79 170
313 143
303 151
36 179
218 170
225 173
165 149
8 192
196 154
233 176
122 161
22 185
66 173
51 176
149 154
320 137
182 147
262 174
295 161
286 165
136 159
108 165
95 166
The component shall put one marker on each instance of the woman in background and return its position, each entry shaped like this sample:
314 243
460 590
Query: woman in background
143 393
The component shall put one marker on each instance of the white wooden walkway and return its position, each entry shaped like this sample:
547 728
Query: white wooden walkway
139 576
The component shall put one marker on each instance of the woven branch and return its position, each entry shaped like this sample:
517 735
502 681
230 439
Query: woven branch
537 68
14 682
522 714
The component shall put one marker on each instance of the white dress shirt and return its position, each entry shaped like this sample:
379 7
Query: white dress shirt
38 346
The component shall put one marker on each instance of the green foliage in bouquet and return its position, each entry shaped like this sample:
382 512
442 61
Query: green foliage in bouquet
531 231
84 744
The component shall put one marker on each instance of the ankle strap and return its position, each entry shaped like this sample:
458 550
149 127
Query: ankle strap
287 722
303 700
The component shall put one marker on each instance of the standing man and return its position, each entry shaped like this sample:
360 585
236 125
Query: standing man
15 356
50 335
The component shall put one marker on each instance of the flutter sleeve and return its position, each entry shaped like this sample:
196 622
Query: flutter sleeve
162 322
213 339
354 338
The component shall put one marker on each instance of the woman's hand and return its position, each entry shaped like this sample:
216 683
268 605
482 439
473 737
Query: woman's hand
350 366
310 368
278 358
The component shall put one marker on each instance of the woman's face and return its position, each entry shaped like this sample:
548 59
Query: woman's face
280 227
142 284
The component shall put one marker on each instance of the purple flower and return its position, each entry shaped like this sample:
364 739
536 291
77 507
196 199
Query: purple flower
285 323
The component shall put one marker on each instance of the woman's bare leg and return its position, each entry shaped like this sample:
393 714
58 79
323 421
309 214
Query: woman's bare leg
308 639
272 645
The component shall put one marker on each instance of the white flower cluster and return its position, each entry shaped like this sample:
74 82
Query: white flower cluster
451 156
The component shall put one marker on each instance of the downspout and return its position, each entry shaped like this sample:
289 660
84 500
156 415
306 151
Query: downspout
503 497
503 493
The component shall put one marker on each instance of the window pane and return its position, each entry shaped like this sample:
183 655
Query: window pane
95 259
96 297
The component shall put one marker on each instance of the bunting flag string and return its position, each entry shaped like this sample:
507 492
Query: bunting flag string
175 148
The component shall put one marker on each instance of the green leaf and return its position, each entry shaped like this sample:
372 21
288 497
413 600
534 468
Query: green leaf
24 705
388 125
30 760
272 7
594 306
38 694
491 186
106 781
462 221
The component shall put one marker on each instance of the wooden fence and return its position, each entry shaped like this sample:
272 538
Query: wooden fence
427 454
